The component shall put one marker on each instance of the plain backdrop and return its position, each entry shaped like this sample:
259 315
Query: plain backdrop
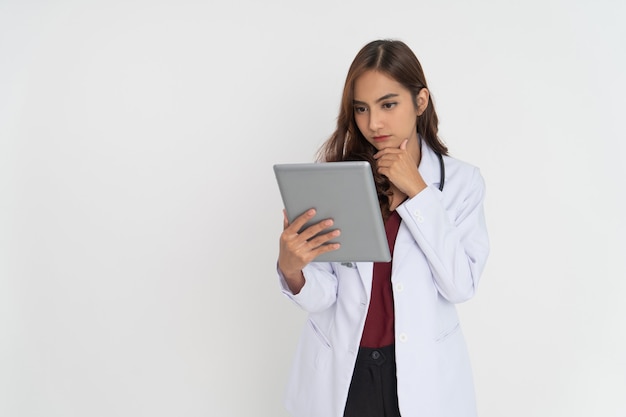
139 215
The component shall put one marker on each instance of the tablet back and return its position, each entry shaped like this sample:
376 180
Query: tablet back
345 192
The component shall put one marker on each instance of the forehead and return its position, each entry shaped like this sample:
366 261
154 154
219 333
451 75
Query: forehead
372 85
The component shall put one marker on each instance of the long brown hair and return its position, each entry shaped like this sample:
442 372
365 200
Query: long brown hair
395 59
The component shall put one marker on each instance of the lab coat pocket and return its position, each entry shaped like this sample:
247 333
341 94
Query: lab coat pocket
322 349
447 332
320 335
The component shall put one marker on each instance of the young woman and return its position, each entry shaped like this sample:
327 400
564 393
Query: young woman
383 339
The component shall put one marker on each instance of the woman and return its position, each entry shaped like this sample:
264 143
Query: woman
383 339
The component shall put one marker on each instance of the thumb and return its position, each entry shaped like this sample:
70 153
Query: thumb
403 144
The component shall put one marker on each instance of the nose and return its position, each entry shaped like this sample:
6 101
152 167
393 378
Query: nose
376 121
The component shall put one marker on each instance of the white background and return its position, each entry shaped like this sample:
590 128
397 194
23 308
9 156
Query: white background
139 216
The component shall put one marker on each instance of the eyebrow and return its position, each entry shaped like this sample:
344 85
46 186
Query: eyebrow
385 97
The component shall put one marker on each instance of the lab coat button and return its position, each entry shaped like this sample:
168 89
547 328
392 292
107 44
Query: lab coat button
399 287
403 337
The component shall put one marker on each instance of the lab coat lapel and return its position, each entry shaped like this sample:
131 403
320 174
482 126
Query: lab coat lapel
429 167
401 248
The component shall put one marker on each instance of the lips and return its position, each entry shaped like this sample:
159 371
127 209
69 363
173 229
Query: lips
381 138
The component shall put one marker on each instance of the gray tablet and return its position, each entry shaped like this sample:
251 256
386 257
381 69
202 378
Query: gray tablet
345 192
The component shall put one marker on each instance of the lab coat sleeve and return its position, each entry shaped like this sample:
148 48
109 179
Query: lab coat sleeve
453 239
320 288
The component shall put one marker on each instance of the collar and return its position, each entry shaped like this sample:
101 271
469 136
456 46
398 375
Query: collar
429 167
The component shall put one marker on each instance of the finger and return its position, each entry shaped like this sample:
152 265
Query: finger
316 228
386 162
403 144
297 224
322 239
325 248
386 151
285 219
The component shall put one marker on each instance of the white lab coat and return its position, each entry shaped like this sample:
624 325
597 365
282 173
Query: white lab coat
440 251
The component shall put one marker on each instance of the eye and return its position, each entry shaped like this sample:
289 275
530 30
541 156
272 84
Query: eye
360 109
388 106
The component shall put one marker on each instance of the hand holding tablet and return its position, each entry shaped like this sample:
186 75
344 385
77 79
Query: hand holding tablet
343 192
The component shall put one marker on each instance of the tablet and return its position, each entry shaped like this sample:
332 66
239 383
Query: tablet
344 192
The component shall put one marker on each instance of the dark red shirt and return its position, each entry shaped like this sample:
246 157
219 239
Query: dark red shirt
378 331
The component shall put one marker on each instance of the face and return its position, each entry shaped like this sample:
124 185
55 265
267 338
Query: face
385 111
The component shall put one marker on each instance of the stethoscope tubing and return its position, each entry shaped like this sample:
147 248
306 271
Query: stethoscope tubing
442 171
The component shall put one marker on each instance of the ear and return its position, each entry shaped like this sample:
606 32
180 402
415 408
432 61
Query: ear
422 101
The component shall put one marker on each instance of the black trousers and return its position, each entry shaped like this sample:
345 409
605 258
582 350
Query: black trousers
374 388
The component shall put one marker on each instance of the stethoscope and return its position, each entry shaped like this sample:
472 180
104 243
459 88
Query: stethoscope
442 171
